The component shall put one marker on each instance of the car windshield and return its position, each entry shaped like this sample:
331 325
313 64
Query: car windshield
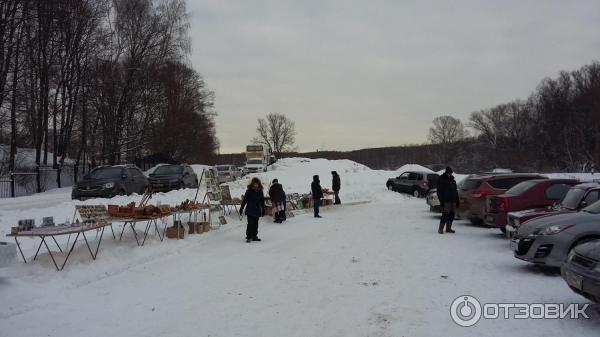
593 208
168 169
222 168
572 198
521 188
254 161
106 173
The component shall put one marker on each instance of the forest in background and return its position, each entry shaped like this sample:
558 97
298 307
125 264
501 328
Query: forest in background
101 82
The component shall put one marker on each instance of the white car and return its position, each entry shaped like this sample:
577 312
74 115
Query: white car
228 173
255 165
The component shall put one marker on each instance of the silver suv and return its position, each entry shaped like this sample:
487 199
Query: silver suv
415 183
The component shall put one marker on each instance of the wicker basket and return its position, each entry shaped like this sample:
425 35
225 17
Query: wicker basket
176 231
198 227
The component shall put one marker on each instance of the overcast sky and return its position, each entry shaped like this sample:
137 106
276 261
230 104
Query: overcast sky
357 74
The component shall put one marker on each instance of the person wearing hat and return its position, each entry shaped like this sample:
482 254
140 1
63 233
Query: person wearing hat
277 196
254 203
335 186
447 193
317 194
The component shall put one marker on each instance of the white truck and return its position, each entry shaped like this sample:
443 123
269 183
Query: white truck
257 158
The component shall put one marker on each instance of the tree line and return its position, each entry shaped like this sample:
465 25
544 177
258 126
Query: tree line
556 128
101 82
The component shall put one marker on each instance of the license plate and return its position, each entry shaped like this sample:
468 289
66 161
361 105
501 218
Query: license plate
573 279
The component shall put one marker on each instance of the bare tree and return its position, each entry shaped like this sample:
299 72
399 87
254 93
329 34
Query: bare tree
447 130
277 132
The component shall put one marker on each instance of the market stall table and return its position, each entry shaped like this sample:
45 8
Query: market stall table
132 221
52 232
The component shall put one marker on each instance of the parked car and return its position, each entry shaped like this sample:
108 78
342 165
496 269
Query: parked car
474 189
578 197
172 177
415 183
433 201
255 165
228 173
548 240
108 181
581 271
529 194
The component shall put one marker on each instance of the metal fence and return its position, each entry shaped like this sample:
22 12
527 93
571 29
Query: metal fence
23 183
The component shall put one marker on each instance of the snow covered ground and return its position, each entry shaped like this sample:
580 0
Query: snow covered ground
373 269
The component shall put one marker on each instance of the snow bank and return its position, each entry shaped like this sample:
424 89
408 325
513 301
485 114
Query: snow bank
412 167
25 157
359 183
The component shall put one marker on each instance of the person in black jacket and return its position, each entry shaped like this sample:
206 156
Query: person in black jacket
335 186
447 193
317 194
277 196
254 202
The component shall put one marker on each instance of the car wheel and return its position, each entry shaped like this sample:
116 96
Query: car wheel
122 192
476 222
390 187
416 193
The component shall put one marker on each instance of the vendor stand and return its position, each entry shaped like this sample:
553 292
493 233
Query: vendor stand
92 218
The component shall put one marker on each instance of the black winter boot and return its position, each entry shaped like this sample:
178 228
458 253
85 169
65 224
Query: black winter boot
441 228
449 228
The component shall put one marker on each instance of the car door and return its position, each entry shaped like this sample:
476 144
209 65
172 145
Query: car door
190 177
133 181
401 182
411 182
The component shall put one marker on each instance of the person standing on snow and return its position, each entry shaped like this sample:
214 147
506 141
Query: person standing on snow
317 194
447 193
277 196
335 186
254 202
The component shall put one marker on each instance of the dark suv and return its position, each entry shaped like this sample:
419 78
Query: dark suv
108 181
415 183
172 177
473 191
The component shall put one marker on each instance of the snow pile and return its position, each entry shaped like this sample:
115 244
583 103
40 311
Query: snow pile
25 157
583 177
359 183
412 167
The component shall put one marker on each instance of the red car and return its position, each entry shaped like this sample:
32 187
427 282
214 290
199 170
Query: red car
473 191
536 193
578 197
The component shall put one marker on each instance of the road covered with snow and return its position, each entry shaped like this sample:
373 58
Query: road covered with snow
369 269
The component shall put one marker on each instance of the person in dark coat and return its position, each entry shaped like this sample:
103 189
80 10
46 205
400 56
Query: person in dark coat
254 203
277 195
447 193
335 186
317 194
